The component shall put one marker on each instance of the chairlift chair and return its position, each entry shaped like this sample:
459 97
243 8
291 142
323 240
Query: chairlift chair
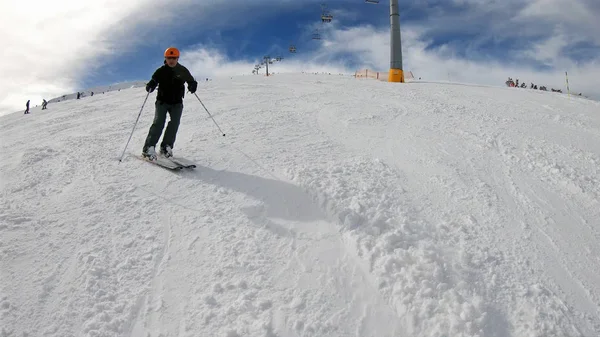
326 17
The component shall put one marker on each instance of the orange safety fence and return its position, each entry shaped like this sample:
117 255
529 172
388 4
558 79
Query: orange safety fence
380 75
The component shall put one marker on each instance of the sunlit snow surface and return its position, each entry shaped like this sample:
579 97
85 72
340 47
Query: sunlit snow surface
333 207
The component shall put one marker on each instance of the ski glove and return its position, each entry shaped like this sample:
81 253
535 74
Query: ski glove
151 86
192 86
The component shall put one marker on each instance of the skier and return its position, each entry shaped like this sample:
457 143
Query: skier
44 104
27 107
169 78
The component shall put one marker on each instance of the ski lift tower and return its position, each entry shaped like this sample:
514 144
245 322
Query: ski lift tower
268 60
396 73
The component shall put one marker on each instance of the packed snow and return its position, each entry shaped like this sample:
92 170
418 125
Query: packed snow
333 206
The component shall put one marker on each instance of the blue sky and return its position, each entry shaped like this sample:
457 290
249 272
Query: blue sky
76 45
269 28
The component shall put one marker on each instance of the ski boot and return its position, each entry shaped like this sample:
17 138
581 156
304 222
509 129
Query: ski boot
166 151
149 153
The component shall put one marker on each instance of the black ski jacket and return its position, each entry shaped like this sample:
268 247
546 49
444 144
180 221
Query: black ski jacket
170 83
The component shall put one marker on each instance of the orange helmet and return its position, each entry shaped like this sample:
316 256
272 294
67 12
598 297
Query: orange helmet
172 52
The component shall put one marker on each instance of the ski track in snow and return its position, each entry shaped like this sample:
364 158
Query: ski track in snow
334 207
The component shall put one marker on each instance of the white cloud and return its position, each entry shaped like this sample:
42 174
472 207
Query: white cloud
579 17
370 48
553 36
438 64
47 46
209 62
50 47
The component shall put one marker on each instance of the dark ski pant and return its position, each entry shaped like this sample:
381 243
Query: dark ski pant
160 116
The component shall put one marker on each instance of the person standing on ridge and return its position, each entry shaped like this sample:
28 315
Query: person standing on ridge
169 78
27 107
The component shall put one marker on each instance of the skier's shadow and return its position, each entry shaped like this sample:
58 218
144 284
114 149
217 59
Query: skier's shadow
280 200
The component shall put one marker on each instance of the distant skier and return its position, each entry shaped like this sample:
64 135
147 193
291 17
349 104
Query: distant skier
169 78
27 107
44 104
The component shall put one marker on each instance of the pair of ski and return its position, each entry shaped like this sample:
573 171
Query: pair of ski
171 163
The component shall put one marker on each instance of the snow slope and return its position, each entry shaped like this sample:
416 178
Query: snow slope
333 207
99 90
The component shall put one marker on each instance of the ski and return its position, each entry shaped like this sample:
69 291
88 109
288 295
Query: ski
168 164
182 162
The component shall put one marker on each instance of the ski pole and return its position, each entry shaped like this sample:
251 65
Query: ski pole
209 113
134 125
